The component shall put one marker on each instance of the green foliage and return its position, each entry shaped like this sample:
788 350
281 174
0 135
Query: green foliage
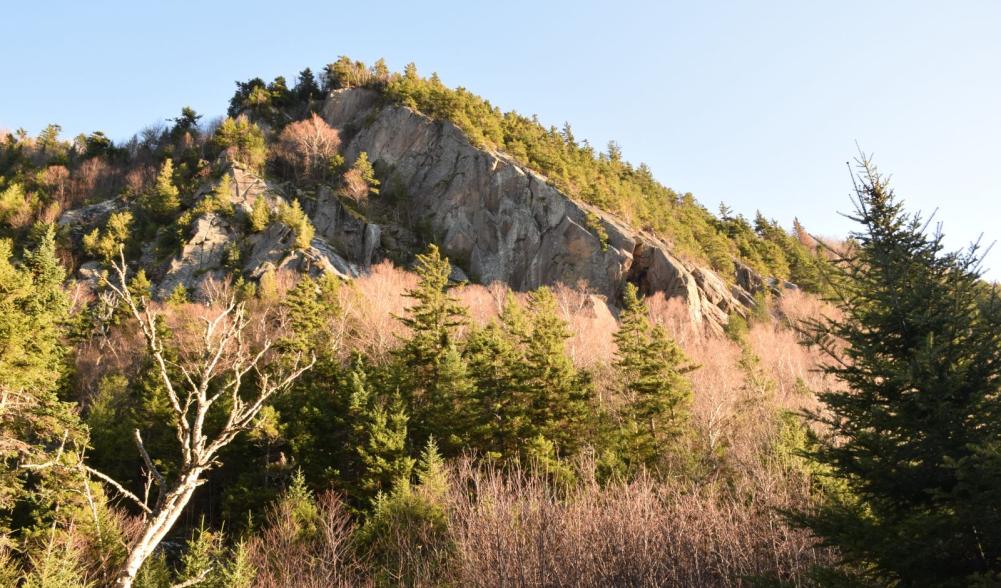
497 414
33 313
107 244
178 296
260 214
914 433
267 287
366 172
310 306
218 201
306 87
595 226
243 139
407 535
13 203
559 409
57 566
652 372
294 218
380 431
164 201
431 375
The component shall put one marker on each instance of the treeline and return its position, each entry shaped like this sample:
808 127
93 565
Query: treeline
502 395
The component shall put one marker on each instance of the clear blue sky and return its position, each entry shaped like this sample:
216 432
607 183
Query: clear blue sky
758 104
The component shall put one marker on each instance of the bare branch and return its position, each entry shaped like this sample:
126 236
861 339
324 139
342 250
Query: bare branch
121 489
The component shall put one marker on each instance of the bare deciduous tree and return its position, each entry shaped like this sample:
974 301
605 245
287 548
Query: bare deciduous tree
213 376
308 146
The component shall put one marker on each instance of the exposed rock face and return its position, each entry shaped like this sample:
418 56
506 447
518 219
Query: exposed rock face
347 232
499 221
494 219
201 258
81 220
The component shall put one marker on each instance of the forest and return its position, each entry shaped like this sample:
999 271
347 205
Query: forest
405 428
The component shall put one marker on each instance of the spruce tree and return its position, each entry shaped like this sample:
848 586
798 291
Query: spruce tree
430 376
559 405
380 438
165 199
43 429
914 434
497 416
652 369
260 215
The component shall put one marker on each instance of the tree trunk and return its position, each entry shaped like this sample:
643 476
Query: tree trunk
163 520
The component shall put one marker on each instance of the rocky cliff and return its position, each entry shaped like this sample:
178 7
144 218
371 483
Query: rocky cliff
495 219
502 222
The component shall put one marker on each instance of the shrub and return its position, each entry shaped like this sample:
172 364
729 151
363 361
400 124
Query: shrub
243 139
294 218
106 244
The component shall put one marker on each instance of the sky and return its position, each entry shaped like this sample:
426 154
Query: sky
756 104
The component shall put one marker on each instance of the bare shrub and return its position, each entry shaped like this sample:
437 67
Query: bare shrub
370 305
515 529
307 147
321 557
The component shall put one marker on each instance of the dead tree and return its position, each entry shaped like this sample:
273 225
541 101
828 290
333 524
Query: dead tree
222 363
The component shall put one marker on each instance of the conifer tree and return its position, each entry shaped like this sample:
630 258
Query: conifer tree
914 433
380 431
652 369
260 215
33 311
559 408
308 316
165 198
306 87
497 416
429 371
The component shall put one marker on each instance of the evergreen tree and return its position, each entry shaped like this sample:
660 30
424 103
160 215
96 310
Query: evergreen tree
309 312
184 124
429 374
366 172
652 369
164 201
559 409
107 243
306 87
914 435
381 438
33 312
260 215
497 416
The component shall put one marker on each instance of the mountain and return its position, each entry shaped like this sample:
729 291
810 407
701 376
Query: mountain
497 219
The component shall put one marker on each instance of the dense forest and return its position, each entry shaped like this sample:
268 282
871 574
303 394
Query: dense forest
406 428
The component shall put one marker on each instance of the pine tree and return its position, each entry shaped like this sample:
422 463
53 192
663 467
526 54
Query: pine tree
428 371
380 434
260 215
165 199
559 408
652 369
914 435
